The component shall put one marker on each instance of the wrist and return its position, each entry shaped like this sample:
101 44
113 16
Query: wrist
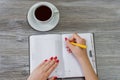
83 59
81 56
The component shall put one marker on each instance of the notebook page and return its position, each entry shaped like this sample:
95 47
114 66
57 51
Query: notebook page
72 67
43 47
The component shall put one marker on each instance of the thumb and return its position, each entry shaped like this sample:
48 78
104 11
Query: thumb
69 45
53 78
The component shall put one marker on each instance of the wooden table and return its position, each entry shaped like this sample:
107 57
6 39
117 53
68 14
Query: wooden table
99 16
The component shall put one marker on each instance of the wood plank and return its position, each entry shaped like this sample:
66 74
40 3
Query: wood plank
108 57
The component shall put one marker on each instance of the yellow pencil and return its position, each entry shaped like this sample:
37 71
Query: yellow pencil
79 45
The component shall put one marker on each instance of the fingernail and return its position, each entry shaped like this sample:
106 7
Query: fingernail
51 58
70 51
55 57
66 39
55 77
57 61
67 47
46 60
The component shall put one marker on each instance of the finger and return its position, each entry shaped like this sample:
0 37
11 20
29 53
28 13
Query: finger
48 61
53 78
42 64
79 39
69 50
52 62
76 38
52 67
69 45
76 35
72 39
83 41
45 64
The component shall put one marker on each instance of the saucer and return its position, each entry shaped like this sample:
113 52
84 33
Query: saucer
43 26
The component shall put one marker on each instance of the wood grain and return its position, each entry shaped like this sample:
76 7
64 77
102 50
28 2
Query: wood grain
99 16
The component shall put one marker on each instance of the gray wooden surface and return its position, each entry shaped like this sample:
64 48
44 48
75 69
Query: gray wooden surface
99 16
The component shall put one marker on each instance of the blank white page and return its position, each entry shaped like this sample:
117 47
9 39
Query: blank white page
72 67
43 47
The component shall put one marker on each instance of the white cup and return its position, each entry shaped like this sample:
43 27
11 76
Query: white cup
47 4
43 25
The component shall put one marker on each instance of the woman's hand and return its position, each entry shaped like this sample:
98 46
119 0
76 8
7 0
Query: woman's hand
81 55
43 71
78 52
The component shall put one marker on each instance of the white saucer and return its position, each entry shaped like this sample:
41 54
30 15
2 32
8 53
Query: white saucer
43 26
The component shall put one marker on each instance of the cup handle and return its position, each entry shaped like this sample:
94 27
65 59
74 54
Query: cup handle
56 12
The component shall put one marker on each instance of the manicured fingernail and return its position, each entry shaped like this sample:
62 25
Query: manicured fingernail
46 60
55 57
51 58
70 51
55 77
66 39
57 61
67 47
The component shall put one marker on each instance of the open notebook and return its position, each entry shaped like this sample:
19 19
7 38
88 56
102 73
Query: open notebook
44 46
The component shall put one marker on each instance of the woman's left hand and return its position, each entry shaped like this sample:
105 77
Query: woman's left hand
43 71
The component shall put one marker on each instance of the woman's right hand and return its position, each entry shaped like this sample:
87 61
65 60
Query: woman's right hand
81 55
78 52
